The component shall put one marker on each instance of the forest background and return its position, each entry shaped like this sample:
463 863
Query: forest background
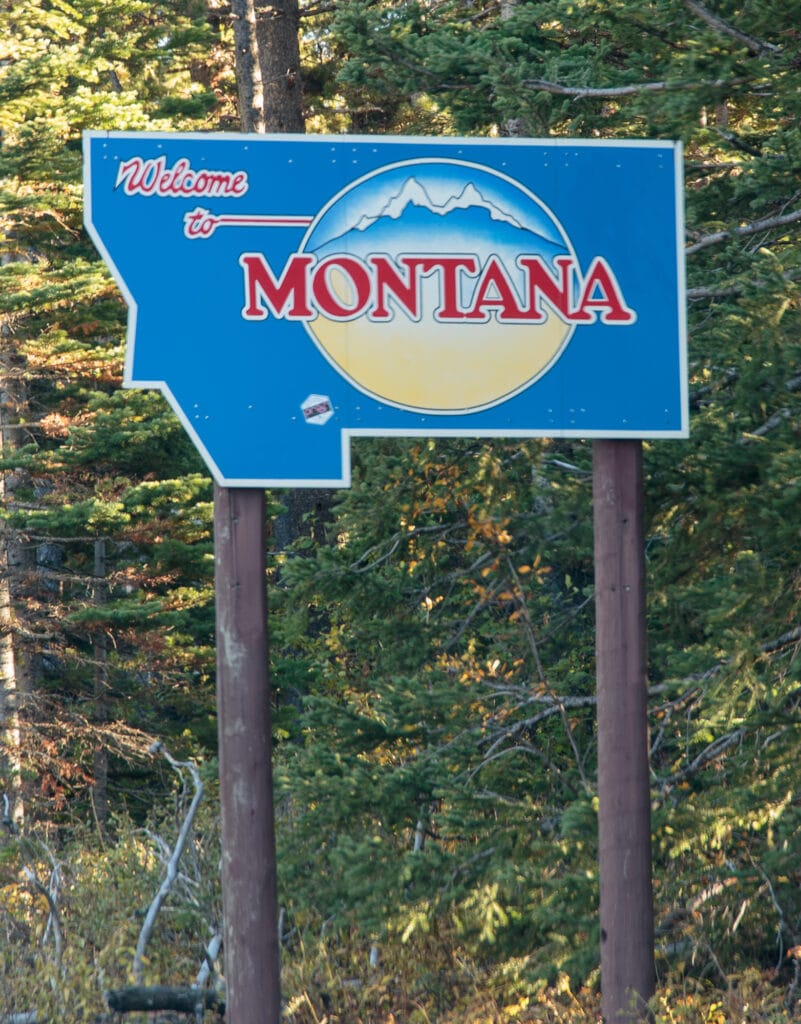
432 627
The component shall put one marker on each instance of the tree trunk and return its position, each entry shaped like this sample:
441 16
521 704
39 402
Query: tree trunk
248 68
100 694
14 678
279 58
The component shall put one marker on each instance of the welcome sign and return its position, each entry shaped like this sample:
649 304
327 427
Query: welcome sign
289 293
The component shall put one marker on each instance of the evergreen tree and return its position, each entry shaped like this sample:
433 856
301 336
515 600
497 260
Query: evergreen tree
424 591
107 509
434 656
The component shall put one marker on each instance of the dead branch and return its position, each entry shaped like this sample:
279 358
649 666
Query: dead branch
771 423
583 92
711 752
50 894
210 954
172 865
149 998
755 46
766 224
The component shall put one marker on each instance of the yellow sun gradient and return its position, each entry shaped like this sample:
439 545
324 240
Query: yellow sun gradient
437 367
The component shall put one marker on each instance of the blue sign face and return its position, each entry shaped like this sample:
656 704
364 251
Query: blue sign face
289 293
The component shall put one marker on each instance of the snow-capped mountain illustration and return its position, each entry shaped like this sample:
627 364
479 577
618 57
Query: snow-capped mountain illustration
414 193
458 230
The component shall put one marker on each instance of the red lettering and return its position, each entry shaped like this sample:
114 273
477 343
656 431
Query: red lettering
601 292
132 174
387 280
265 295
494 280
543 285
178 173
239 184
153 177
168 179
449 267
358 278
344 287
139 176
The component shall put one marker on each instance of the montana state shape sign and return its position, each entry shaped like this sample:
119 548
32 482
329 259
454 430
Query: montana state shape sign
289 293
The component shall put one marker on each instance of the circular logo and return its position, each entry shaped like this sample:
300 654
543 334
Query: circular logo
447 250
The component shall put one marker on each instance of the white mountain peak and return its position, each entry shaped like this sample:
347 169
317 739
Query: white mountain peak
414 193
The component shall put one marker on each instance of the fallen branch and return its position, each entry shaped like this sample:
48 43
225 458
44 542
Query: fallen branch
149 998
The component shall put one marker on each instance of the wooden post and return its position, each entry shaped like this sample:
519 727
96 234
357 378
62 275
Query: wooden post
250 898
624 813
267 72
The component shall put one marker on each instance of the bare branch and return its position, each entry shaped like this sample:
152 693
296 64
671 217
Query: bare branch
576 753
172 866
755 46
582 92
711 752
785 640
49 893
771 423
366 562
766 224
706 292
526 619
210 955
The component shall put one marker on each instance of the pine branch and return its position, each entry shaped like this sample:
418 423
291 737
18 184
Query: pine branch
507 739
753 45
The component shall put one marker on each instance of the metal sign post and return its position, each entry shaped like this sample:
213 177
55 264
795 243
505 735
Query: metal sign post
289 293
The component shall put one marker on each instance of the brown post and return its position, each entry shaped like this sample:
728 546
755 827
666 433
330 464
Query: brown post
250 898
624 813
267 71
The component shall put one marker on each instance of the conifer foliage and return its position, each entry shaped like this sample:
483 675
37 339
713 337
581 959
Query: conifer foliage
433 637
106 513
449 626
